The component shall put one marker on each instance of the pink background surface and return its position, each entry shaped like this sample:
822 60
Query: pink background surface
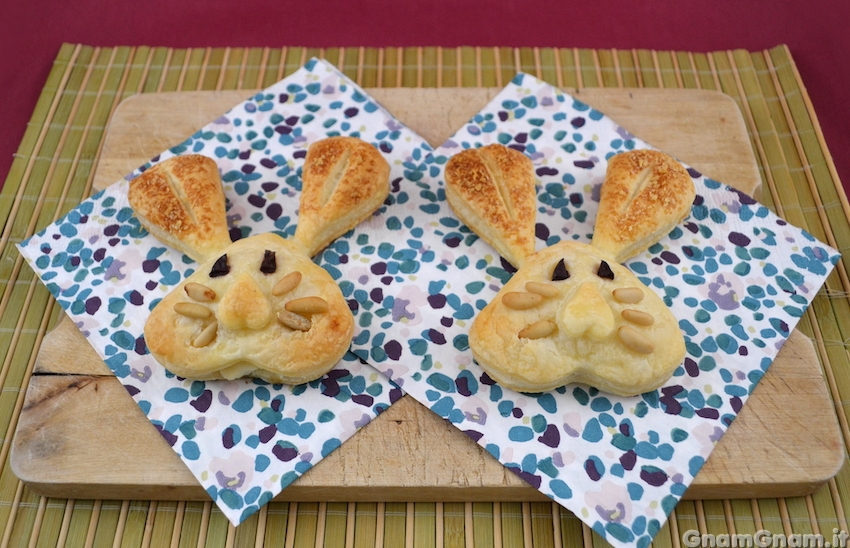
31 32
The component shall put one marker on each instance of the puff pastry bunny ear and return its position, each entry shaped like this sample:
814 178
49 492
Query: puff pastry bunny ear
645 194
492 190
181 202
344 180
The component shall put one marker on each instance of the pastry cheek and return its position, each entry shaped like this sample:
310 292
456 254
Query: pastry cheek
161 329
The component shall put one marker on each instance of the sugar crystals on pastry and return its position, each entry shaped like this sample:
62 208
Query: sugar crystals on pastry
181 202
259 306
646 193
572 312
491 189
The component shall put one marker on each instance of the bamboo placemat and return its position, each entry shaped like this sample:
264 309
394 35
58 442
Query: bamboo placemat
53 170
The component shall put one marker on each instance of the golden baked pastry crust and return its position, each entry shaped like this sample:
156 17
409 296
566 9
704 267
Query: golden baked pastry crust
344 180
492 190
181 202
572 312
259 306
249 339
587 343
645 194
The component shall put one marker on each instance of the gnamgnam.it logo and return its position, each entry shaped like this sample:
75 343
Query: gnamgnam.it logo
764 539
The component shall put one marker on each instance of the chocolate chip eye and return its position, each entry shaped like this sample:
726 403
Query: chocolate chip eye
220 268
560 272
269 265
605 271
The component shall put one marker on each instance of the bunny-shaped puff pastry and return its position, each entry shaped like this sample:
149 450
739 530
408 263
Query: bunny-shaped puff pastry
257 307
572 312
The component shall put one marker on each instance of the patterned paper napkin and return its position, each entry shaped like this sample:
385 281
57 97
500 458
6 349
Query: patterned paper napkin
737 276
243 440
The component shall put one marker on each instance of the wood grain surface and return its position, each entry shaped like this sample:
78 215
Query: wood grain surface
72 437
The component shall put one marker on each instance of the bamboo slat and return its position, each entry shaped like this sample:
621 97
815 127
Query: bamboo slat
52 171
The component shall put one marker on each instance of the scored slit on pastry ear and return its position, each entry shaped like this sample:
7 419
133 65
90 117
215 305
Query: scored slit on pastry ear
181 202
572 312
344 180
645 194
492 190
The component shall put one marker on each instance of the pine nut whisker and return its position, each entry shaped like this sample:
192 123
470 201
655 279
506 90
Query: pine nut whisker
307 306
193 310
628 295
199 292
638 317
206 336
287 284
546 290
635 341
521 300
538 330
294 321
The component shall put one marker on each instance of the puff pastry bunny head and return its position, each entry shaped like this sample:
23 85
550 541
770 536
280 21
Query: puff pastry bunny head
572 312
259 306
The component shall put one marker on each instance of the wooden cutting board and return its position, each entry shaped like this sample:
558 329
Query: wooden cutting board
80 436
